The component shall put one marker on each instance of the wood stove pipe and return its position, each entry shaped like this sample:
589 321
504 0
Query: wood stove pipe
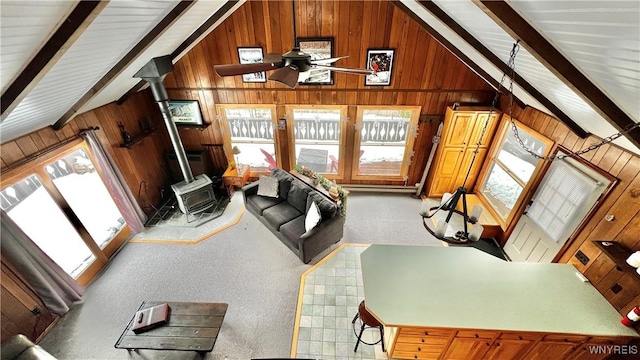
154 73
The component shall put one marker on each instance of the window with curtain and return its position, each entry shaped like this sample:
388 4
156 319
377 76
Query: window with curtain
510 168
251 129
318 134
560 198
60 201
384 146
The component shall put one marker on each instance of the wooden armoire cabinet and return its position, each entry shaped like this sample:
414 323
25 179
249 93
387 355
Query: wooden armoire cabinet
460 135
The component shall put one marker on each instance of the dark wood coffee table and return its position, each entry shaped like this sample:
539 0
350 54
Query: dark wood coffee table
192 326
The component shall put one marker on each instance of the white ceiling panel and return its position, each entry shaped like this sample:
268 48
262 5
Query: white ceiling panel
26 26
106 40
492 36
471 52
164 45
601 38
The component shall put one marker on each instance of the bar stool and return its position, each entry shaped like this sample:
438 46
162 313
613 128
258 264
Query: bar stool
370 321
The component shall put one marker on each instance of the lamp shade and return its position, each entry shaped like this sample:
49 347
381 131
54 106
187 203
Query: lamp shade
235 150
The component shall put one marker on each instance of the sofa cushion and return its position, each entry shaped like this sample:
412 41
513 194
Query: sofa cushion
294 229
328 208
280 214
313 217
284 185
268 186
284 181
297 196
260 203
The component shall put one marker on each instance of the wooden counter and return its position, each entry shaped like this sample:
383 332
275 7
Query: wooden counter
462 301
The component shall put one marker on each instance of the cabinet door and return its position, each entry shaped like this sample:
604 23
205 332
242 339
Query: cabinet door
446 171
508 349
545 350
480 119
459 128
467 349
464 167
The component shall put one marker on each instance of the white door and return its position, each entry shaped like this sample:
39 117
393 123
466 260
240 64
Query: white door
566 195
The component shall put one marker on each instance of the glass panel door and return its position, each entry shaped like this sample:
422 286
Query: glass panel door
33 209
80 185
250 129
61 202
385 143
317 132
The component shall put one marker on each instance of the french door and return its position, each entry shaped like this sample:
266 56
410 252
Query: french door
384 142
567 194
60 201
317 133
250 137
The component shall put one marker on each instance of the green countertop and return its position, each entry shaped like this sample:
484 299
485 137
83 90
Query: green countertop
459 287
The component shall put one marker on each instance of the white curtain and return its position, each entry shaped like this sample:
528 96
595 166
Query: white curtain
131 211
54 286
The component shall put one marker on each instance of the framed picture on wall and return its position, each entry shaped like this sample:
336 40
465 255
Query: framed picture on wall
186 112
251 55
381 62
318 49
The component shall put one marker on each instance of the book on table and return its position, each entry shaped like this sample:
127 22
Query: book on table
150 318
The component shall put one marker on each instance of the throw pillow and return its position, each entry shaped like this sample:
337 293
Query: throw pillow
268 186
313 217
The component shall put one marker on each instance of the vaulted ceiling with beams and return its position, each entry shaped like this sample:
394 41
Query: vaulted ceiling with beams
578 61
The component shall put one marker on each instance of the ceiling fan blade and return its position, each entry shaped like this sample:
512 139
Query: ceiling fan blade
239 69
327 61
287 75
272 58
345 70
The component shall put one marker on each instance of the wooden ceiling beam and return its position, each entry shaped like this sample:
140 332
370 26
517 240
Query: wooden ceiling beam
69 31
495 60
195 37
518 27
454 50
131 56
444 42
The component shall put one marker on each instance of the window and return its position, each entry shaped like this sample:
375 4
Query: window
560 198
385 145
511 169
318 134
60 201
250 128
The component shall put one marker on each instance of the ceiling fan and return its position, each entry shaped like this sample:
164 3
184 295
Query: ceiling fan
289 67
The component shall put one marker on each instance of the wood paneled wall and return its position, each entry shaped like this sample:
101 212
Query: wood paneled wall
143 165
623 203
18 300
424 72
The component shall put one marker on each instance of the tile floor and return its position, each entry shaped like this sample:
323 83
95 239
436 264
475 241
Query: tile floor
331 294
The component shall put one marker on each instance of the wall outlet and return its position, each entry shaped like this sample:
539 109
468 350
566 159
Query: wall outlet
582 257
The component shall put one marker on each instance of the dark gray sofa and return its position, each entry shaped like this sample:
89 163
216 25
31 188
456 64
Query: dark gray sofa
19 347
285 215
